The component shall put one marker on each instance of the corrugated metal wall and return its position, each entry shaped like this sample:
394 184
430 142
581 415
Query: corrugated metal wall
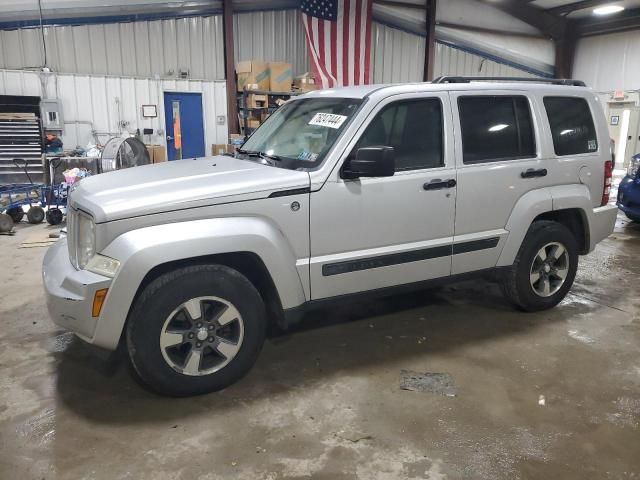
271 35
399 57
140 49
161 47
92 102
597 57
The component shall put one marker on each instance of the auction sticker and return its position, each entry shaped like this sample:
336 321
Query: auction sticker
330 120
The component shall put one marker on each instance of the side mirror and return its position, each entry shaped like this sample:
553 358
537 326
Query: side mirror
370 162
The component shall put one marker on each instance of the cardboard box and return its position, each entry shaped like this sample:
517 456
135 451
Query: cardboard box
305 83
221 149
255 100
280 76
157 153
253 123
252 73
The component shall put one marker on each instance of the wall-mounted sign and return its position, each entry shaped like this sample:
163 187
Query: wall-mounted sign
149 111
615 119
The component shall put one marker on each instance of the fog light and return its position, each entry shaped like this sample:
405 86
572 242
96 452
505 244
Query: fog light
98 300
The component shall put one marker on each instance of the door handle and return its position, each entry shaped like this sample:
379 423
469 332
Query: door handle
169 137
532 172
438 184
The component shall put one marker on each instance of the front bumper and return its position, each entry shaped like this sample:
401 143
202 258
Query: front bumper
70 292
629 196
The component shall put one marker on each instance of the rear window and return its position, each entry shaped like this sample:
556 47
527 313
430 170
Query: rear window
496 128
571 125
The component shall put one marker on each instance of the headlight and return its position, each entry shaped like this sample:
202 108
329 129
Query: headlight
632 170
102 265
86 243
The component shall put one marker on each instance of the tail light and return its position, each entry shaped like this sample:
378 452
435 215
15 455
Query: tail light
608 176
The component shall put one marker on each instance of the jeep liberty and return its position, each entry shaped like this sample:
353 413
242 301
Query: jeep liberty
340 192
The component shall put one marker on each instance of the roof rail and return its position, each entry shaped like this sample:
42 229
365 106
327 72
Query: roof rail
554 81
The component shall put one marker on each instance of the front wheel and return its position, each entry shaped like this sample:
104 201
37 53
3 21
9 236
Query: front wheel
544 268
195 330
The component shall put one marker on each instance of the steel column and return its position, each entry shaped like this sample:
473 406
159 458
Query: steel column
229 67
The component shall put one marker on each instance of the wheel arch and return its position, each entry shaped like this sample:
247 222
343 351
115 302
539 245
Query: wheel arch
250 245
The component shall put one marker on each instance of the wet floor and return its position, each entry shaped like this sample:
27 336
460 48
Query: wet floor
547 395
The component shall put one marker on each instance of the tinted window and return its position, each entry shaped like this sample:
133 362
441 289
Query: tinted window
571 125
496 128
413 128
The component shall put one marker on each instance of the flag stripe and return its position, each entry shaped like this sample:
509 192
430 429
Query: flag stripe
338 35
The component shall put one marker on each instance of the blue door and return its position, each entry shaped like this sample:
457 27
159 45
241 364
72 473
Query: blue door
184 125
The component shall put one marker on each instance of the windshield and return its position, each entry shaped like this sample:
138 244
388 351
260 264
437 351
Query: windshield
300 133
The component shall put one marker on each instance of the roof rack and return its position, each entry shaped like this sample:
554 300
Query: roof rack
554 81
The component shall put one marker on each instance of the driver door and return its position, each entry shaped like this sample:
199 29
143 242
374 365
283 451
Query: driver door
372 233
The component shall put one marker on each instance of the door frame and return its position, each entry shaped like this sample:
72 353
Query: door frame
164 120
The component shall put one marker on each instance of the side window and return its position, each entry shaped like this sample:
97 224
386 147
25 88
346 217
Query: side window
496 128
571 125
413 128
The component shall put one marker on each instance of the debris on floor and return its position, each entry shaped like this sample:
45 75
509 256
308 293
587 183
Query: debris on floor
353 437
542 401
441 383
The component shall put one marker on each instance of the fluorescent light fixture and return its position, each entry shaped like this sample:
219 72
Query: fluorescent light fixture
566 132
497 128
608 9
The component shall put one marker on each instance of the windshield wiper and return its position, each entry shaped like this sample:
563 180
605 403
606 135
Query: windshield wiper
255 153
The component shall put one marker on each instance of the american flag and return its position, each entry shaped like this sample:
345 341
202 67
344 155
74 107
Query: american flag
338 34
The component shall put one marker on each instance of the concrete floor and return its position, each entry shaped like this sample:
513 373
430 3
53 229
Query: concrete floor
326 403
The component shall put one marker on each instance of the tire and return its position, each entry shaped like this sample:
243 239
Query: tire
6 223
54 216
16 214
35 215
160 308
633 218
519 283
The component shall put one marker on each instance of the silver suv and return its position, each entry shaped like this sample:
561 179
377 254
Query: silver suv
341 192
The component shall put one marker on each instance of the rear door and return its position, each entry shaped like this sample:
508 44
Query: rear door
498 158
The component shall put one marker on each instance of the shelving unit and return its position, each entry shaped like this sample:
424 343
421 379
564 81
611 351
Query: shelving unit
244 112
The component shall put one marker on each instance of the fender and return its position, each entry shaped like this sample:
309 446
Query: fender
530 205
139 251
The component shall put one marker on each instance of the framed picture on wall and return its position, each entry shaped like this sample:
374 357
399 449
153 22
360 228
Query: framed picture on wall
615 119
149 111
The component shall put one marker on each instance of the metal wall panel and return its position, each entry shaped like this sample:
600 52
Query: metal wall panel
609 62
93 102
137 49
159 47
271 36
398 56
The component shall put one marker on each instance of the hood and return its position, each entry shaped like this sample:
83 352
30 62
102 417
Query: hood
180 184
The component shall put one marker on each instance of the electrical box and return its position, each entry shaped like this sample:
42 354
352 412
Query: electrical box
52 117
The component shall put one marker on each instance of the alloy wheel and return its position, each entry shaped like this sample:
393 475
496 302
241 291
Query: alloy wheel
549 269
202 336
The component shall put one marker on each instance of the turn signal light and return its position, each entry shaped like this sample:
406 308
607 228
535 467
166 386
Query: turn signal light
98 300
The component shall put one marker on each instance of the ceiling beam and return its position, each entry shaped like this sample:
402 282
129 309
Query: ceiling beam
575 6
623 21
548 24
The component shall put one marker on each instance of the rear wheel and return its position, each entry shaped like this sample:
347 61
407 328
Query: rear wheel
544 268
195 330
16 214
35 214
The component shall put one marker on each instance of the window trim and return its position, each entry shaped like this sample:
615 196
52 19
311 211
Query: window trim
593 124
390 104
515 112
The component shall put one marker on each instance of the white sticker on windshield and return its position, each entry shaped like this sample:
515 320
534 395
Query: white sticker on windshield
330 120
